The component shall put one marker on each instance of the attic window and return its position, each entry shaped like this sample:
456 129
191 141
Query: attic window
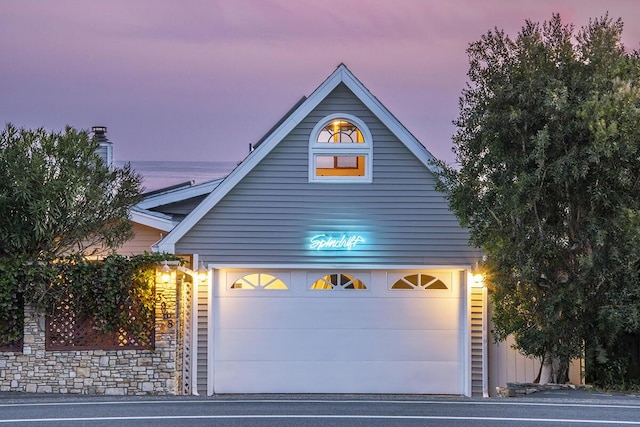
340 150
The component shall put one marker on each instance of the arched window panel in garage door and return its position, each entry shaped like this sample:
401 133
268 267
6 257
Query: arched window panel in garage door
338 281
259 281
420 281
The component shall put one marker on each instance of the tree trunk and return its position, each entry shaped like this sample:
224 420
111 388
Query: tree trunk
555 370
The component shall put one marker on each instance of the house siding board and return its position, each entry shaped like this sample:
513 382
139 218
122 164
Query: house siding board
144 238
269 216
183 207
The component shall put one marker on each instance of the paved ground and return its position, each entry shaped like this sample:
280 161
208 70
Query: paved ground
548 408
563 394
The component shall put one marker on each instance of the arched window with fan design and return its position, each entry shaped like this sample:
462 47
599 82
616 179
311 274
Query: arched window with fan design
419 281
338 281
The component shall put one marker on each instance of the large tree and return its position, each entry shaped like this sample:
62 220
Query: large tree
547 181
58 196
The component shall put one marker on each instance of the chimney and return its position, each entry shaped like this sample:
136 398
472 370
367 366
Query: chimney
105 150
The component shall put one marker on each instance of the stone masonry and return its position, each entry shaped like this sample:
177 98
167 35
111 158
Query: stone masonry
106 372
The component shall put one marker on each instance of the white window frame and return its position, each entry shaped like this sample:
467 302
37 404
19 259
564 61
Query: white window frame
364 149
233 276
447 277
363 275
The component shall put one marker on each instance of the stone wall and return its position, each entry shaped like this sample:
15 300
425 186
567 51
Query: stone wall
524 389
108 372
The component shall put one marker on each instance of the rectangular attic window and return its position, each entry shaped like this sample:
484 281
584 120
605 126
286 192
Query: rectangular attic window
340 165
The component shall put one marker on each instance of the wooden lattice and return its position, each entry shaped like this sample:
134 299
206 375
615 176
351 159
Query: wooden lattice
65 330
185 335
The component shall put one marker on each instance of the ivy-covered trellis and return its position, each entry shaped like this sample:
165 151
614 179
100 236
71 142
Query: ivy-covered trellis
111 298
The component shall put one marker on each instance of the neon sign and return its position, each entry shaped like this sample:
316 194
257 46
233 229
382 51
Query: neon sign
326 242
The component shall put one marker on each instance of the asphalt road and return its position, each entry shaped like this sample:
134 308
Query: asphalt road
307 411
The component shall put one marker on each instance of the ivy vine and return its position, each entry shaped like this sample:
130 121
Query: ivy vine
115 292
11 301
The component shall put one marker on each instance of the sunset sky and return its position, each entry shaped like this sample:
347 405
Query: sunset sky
202 79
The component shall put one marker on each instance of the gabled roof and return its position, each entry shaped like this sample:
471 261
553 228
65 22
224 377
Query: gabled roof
141 213
152 219
340 75
177 193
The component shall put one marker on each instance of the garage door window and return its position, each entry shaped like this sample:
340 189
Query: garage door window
419 281
259 281
338 281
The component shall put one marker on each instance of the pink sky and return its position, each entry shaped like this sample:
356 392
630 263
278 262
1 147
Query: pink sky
202 79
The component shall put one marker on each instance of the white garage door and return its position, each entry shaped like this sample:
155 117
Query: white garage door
338 332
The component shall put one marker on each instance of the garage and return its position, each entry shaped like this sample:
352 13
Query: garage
338 331
334 264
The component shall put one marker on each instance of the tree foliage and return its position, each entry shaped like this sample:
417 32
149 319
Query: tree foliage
547 183
59 202
58 196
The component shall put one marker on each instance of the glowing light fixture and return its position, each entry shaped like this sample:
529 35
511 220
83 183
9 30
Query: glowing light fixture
476 276
166 273
477 280
202 272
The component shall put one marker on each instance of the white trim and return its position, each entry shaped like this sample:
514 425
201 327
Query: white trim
366 179
362 127
213 277
485 346
341 266
194 329
340 75
178 194
152 219
467 386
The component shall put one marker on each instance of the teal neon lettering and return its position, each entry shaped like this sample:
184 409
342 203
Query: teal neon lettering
326 242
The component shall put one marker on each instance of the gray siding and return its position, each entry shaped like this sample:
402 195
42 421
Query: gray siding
183 207
273 211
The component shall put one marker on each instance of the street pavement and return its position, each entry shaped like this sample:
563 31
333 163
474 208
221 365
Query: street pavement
548 408
574 394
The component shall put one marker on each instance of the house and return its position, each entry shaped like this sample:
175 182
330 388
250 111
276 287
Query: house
326 262
333 264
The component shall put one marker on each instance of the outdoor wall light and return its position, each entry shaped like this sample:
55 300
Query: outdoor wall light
477 280
202 272
476 276
166 273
